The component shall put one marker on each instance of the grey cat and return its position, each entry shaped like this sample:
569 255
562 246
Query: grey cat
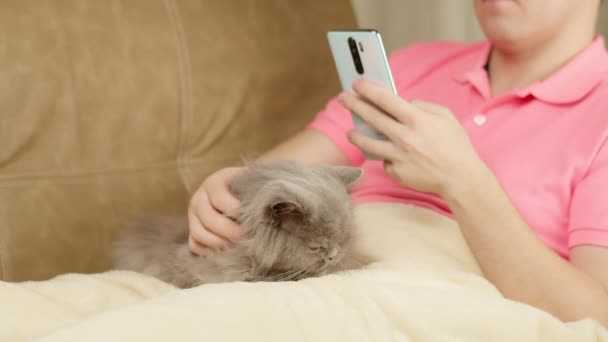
297 222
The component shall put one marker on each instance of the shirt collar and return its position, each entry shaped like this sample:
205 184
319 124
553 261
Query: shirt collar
570 83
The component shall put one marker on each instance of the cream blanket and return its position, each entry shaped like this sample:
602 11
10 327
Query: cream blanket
426 287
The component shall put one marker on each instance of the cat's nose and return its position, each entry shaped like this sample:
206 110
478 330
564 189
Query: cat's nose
332 254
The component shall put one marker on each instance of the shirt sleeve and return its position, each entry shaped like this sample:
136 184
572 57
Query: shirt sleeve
588 224
335 122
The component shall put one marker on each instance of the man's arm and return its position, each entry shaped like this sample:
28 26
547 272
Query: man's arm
307 147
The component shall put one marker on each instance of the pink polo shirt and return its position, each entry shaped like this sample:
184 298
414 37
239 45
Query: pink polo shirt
546 143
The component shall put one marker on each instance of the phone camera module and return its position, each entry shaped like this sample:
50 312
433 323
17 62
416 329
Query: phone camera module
354 51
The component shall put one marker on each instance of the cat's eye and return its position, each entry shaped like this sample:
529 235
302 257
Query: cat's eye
314 246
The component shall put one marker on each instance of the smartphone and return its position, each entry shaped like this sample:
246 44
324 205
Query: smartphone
359 53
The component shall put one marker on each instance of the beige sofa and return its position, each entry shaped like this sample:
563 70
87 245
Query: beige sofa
109 109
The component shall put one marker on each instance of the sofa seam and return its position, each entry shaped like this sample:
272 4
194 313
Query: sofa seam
80 173
184 89
94 172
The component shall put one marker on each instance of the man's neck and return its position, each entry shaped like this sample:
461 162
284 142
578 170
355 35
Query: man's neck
513 70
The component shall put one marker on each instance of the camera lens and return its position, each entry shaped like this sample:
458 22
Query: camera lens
359 66
355 55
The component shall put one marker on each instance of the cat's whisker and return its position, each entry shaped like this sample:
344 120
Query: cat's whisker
303 273
286 276
294 276
281 276
275 277
291 276
306 271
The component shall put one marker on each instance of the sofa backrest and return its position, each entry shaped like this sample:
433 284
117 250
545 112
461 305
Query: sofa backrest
111 109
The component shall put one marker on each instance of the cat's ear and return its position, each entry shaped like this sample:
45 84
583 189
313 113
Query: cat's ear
287 215
350 176
284 209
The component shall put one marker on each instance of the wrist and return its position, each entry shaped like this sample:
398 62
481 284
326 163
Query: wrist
470 182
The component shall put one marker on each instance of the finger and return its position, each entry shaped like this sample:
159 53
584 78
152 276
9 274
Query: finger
224 201
378 148
372 116
215 222
388 166
386 100
203 236
196 247
431 107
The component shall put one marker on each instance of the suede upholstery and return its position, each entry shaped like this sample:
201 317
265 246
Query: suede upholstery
111 109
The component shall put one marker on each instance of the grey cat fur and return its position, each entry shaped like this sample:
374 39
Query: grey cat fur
297 222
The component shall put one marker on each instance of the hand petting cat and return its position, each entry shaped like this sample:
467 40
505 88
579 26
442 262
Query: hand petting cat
427 149
209 212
